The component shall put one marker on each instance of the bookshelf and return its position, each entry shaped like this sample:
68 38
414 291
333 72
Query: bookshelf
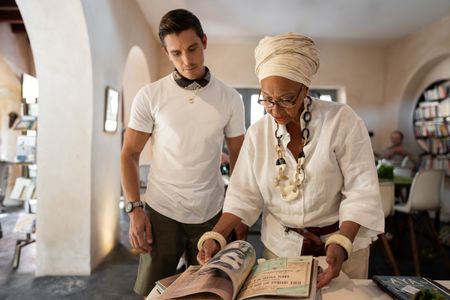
432 126
25 185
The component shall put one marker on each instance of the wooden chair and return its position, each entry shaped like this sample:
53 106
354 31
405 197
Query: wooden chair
425 195
387 201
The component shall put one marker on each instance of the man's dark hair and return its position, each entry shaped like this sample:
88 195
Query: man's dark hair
178 20
399 133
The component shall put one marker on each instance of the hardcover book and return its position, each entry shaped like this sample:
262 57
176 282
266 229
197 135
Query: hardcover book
407 287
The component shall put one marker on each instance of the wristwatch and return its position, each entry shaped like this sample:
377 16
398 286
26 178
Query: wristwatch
132 205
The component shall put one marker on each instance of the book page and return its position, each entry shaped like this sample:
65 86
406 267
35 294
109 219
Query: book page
193 281
290 277
162 284
223 275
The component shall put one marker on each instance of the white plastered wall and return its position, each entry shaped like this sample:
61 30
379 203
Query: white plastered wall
80 47
112 34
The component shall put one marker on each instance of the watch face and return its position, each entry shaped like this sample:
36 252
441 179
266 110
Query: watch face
129 207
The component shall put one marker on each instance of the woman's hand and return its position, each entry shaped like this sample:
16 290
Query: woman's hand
335 257
209 249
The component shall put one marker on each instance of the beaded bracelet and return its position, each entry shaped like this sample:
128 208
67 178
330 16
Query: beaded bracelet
214 236
342 241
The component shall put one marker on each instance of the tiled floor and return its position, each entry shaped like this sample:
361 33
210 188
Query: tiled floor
114 278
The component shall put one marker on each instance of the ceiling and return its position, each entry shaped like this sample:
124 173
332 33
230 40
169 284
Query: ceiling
358 20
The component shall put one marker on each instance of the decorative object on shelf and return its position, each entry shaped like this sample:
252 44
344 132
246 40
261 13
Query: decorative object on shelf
30 88
25 123
432 126
26 148
111 110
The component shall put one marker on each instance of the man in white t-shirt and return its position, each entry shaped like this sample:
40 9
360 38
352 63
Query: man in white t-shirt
186 115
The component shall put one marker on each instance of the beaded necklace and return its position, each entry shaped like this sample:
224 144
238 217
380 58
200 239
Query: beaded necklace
290 189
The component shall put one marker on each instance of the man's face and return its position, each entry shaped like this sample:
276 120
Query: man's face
396 138
185 51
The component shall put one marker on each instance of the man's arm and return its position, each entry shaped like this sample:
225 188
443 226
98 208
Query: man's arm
388 153
234 145
140 230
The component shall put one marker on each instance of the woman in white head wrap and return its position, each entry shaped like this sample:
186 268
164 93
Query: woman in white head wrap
307 166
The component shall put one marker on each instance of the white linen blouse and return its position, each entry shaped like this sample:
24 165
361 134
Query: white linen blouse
340 180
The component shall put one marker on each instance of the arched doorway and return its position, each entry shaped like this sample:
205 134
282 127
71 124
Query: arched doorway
135 76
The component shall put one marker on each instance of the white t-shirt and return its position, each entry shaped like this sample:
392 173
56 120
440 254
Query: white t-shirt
184 181
341 181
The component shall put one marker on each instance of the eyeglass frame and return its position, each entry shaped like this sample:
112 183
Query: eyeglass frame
271 104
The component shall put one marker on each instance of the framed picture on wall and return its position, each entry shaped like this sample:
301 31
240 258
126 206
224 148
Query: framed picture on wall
111 110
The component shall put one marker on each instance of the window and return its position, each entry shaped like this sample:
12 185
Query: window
255 111
324 94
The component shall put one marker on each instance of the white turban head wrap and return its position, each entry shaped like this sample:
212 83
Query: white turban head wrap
292 56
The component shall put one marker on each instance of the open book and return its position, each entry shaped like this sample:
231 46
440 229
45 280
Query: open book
232 274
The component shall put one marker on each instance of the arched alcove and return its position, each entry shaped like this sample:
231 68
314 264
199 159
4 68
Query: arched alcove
434 69
136 75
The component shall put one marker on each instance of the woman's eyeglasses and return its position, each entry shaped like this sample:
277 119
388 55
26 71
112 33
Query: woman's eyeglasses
283 102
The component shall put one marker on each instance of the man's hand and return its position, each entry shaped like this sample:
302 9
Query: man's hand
209 249
400 150
241 231
335 257
140 232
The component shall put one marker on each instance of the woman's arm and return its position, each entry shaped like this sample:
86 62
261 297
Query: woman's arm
336 254
224 226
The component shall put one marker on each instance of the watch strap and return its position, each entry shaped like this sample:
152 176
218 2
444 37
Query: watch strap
135 204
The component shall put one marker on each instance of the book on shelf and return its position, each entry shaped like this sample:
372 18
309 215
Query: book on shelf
23 189
25 122
444 108
436 162
232 274
439 127
437 92
26 223
26 148
406 287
